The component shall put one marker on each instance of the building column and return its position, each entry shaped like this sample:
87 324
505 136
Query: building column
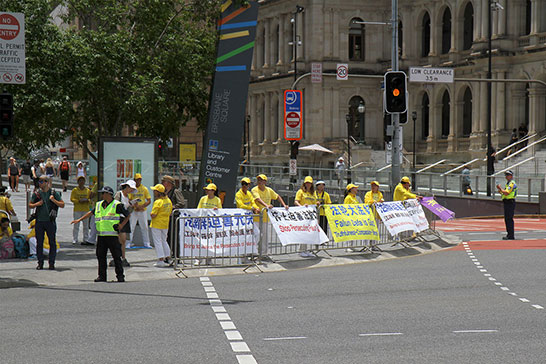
434 124
259 46
267 42
483 106
516 106
535 16
537 109
502 18
483 19
259 119
281 44
454 123
253 118
336 36
435 34
501 102
280 98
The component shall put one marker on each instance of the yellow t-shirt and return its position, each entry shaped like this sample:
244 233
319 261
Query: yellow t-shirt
350 199
244 200
324 199
162 207
266 195
306 198
209 203
371 197
5 204
401 194
78 194
142 193
95 198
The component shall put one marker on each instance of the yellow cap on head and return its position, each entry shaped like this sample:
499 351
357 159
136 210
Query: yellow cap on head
138 176
374 183
210 186
262 176
308 179
246 180
405 180
159 188
351 186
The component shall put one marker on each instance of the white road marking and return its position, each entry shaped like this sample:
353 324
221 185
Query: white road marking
215 302
209 289
474 331
382 334
246 359
487 275
505 288
212 295
524 300
498 283
223 317
512 293
491 279
539 307
206 284
204 279
285 338
483 270
233 335
227 325
239 346
219 309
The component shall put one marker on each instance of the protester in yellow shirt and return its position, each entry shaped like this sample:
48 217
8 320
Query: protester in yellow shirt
80 198
306 194
140 199
263 195
350 195
161 212
5 203
402 191
243 197
374 195
210 201
323 198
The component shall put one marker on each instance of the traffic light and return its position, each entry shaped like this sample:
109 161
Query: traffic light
294 149
6 115
395 92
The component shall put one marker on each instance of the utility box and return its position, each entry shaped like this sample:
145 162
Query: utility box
542 203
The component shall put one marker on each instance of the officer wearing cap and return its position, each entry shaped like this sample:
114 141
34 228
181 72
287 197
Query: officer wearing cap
402 191
509 194
108 221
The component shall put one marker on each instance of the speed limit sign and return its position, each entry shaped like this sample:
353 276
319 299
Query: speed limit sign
342 72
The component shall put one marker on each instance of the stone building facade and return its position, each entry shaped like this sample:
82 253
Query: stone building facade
451 118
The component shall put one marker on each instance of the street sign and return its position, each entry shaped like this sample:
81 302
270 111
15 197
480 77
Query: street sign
293 170
388 148
12 48
293 115
316 72
342 71
431 75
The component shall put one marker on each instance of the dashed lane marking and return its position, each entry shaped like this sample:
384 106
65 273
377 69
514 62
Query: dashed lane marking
475 331
285 338
382 334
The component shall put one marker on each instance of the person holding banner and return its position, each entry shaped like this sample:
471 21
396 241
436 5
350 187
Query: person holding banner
243 197
210 200
350 195
323 198
374 195
263 195
305 197
161 212
402 191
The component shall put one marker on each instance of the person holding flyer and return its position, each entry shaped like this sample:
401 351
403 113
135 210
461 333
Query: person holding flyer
305 197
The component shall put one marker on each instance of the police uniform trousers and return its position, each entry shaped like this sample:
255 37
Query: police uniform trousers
509 208
105 243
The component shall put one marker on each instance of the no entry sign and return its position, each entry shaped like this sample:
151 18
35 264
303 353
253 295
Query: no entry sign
293 120
12 48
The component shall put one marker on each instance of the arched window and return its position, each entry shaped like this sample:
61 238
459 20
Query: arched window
468 26
467 112
446 31
356 118
400 38
356 40
445 114
528 7
425 35
424 116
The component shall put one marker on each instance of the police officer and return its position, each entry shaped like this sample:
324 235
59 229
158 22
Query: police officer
509 194
108 221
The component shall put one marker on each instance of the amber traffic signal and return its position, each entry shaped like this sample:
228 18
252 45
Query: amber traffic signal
395 92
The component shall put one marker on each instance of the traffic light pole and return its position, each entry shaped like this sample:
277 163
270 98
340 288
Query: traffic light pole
395 169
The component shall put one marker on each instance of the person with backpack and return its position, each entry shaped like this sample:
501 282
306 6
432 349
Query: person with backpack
36 172
64 172
46 202
26 173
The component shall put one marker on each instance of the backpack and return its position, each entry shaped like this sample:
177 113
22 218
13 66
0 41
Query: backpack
21 246
65 166
7 250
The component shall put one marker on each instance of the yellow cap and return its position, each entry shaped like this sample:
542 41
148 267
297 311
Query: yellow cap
405 180
262 176
308 179
210 186
138 176
350 186
159 188
246 180
374 183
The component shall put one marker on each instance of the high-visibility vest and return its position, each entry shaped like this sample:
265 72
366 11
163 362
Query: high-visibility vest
106 218
512 195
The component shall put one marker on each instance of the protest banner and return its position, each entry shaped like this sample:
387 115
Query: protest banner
437 209
223 232
351 222
395 217
414 209
297 225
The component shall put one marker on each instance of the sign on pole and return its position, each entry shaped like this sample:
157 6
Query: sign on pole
12 48
293 170
293 115
432 75
316 72
388 147
342 71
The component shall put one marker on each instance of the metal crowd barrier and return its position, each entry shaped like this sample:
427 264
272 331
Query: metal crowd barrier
266 241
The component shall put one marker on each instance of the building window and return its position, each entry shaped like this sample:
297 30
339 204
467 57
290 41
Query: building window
467 112
356 41
528 10
446 31
468 27
424 116
445 114
425 36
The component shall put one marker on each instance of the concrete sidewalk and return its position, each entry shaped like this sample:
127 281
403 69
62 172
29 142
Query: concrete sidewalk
77 264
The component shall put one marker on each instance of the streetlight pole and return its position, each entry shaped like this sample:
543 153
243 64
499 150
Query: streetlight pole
395 175
414 176
489 146
299 9
361 126
348 118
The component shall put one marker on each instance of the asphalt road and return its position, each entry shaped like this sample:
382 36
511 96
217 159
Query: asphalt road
434 308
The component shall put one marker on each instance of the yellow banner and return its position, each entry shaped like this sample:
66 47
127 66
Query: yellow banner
351 222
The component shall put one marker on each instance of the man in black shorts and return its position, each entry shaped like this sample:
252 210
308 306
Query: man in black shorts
64 172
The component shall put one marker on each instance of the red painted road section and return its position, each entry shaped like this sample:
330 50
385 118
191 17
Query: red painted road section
483 225
504 245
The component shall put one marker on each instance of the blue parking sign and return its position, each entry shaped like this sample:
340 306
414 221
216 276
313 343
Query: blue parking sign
293 115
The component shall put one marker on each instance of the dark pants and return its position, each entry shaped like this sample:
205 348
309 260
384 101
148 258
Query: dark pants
509 208
323 222
49 228
105 243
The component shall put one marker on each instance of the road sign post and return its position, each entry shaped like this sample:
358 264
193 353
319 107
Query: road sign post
12 48
293 115
431 75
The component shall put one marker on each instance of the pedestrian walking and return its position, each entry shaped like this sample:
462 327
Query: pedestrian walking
306 197
47 202
509 194
323 198
14 171
64 172
49 170
80 198
210 200
513 140
108 218
178 201
522 133
80 170
142 198
340 171
93 198
403 192
26 174
161 212
37 172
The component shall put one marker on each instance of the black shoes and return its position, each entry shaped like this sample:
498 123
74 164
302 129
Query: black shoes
100 279
124 263
40 266
51 266
86 243
508 238
121 279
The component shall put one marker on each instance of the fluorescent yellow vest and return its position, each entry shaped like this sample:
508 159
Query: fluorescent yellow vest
106 218
512 195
